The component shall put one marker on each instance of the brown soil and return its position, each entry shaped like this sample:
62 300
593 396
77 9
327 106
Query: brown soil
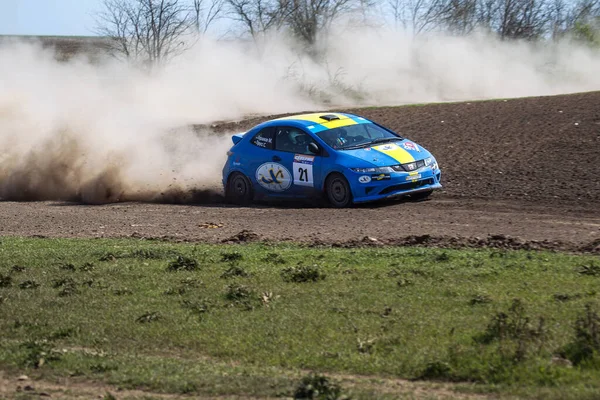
25 387
521 173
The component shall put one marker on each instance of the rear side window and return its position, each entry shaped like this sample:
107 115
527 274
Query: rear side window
292 140
264 138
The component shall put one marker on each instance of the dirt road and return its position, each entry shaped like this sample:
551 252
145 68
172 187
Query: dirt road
528 169
447 221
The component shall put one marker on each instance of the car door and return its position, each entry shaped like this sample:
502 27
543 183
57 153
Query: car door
291 150
267 176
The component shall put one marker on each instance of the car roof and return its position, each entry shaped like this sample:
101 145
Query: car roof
317 122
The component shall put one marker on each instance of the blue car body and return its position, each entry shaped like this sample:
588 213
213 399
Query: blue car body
374 171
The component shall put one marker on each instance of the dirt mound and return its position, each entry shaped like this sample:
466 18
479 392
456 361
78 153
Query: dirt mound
499 241
242 237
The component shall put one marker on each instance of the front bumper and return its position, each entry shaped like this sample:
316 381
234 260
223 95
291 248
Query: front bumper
395 184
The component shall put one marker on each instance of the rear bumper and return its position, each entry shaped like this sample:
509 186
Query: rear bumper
396 184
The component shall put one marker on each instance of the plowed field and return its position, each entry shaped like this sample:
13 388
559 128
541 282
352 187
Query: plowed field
520 173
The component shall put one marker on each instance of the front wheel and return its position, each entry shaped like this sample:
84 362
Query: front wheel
239 189
338 191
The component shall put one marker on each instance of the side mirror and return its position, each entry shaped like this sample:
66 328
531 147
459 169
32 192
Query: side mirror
314 148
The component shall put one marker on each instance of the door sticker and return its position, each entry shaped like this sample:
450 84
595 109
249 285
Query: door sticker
273 176
303 170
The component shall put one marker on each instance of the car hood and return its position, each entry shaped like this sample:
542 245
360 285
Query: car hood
385 154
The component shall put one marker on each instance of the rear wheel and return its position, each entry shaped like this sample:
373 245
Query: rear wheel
239 189
338 191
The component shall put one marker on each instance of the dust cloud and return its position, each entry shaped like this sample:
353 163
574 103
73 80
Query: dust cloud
105 131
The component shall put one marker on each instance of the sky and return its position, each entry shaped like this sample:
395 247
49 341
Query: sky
48 17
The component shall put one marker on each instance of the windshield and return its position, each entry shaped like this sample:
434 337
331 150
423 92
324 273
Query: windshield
356 136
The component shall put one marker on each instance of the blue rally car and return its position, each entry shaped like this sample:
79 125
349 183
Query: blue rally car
347 158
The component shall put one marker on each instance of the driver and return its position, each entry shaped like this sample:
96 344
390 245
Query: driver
342 137
336 138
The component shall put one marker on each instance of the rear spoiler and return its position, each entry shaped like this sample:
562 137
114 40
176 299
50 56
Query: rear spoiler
237 137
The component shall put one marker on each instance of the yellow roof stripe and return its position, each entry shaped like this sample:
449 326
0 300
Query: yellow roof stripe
316 118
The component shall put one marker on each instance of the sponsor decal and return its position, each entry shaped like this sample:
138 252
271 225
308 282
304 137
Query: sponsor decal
413 177
411 166
273 176
367 149
304 159
364 179
303 170
411 146
387 147
380 177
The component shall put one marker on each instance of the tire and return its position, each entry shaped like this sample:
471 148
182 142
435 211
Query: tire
239 189
419 196
338 191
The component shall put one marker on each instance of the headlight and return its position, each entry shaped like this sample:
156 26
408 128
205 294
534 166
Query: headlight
379 170
430 161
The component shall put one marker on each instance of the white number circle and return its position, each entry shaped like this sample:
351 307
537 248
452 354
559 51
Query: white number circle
274 177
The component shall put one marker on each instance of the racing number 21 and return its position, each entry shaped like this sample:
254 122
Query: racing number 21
303 174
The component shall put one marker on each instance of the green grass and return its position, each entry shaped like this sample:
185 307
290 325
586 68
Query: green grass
255 319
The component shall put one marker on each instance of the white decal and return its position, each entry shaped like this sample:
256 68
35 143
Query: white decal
386 147
364 179
411 146
303 170
413 177
273 176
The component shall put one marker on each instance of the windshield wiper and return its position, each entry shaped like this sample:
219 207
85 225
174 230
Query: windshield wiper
355 146
387 139
361 145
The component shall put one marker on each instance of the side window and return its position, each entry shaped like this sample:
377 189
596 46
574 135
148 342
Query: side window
264 138
292 140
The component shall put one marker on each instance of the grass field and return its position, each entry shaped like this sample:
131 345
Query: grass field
257 319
